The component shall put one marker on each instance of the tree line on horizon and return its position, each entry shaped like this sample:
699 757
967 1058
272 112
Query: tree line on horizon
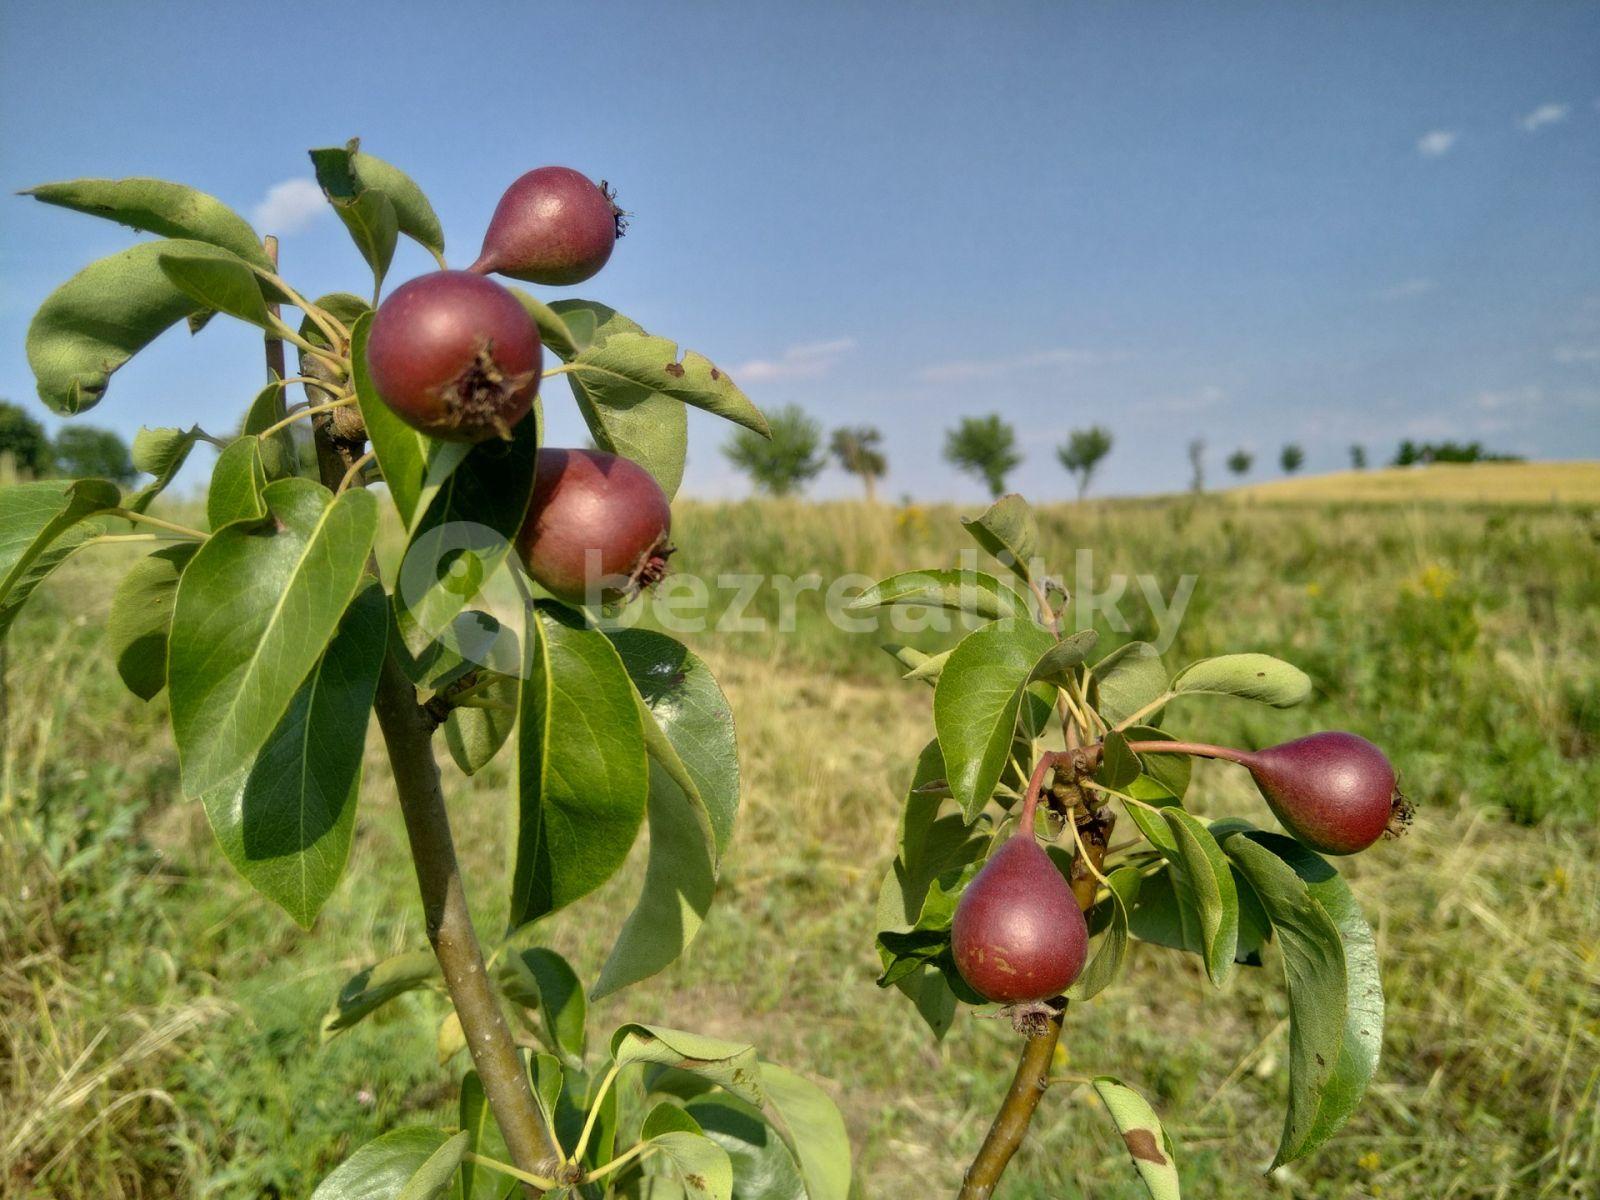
76 452
986 448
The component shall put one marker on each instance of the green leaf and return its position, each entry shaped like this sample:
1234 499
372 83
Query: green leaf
1103 969
33 515
1119 766
970 592
667 1117
975 706
1251 676
1126 680
543 981
218 281
463 533
141 613
285 822
701 1164
256 608
642 424
813 1129
1363 1031
278 456
100 318
474 735
1169 773
413 214
372 987
1314 965
237 481
554 333
414 466
622 370
41 565
1056 665
589 323
1147 1142
170 210
1008 531
731 1065
763 1167
369 215
483 1137
403 1164
1158 917
680 880
695 717
158 452
1205 885
581 774
548 1078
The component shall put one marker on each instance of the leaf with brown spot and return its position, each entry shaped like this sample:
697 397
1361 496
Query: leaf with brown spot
1147 1142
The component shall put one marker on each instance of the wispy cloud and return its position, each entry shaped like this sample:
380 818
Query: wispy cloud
1504 398
988 368
805 361
1436 143
289 207
1206 397
1545 114
1406 289
1574 355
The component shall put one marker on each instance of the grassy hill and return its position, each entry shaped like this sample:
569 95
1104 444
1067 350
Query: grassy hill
1490 483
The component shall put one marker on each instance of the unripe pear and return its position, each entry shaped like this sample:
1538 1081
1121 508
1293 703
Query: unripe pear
456 356
553 226
1334 791
596 527
1018 934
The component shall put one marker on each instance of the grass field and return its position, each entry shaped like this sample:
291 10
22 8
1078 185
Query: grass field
1451 483
158 1025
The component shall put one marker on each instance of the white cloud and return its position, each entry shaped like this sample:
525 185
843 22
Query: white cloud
1573 355
986 368
289 207
1202 398
1545 114
1436 142
805 361
1521 398
1406 289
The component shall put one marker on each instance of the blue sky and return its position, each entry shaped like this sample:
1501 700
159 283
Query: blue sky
1247 223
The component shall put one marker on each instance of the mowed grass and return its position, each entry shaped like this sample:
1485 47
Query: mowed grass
1450 483
158 1024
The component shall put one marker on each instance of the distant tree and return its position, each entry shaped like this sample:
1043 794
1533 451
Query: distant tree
85 452
24 440
1292 458
1197 465
985 447
1081 453
1448 452
1240 461
857 450
1358 457
788 460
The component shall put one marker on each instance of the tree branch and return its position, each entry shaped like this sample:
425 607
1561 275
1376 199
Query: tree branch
408 735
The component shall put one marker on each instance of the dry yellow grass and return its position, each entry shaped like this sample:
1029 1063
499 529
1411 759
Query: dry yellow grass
1486 483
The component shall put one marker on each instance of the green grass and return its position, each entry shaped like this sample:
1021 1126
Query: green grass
158 1025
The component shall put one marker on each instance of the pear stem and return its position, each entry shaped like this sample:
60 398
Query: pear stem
1193 749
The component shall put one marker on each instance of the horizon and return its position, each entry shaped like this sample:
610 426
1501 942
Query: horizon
1255 226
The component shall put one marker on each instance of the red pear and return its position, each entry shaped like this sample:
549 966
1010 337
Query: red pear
597 526
1018 933
1334 791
